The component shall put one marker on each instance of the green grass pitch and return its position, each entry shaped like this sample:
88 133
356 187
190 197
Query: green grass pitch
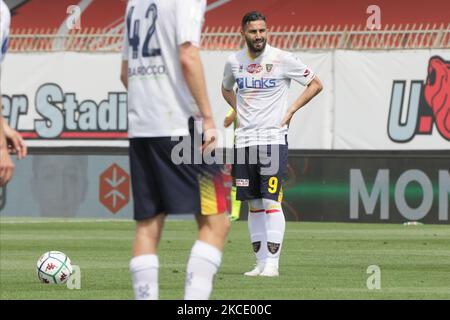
319 260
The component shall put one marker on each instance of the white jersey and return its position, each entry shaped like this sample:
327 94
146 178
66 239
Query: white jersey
5 19
159 100
263 84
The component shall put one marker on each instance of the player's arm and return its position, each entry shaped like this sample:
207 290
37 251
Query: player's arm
230 97
312 90
125 54
124 73
227 85
231 115
14 141
6 164
192 68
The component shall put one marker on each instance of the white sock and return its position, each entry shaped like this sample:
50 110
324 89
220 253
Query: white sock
203 264
144 276
257 230
275 224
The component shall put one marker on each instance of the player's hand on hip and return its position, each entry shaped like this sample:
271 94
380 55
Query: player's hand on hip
286 120
228 121
209 134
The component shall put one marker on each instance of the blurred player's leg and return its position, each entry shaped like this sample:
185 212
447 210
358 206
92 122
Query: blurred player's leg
275 224
206 256
257 230
144 265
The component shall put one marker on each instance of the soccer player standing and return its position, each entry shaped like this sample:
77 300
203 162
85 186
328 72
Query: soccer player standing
9 138
263 75
166 87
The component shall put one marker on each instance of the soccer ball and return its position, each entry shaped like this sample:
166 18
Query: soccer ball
53 267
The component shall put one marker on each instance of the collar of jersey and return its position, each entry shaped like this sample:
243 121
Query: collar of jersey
260 56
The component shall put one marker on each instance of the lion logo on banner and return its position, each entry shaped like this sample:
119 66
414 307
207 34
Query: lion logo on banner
437 93
428 103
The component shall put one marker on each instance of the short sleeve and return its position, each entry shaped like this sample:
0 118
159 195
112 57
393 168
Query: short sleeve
228 77
190 17
295 69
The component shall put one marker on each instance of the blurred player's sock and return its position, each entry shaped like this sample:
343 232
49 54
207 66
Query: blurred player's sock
257 230
203 264
275 224
144 275
235 205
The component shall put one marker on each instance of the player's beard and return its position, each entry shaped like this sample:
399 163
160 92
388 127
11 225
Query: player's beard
256 46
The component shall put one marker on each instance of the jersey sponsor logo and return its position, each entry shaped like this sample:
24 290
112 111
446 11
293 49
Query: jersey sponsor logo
306 73
152 70
252 83
241 68
242 182
428 102
254 68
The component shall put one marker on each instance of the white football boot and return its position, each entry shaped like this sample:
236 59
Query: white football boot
270 270
256 271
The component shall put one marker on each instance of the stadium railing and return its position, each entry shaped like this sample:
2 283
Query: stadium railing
421 36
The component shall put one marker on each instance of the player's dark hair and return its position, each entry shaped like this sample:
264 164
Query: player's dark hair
252 16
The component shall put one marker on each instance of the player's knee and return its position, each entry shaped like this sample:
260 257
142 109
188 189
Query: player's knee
224 230
220 227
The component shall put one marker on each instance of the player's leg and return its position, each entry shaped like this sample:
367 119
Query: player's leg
275 228
144 264
272 174
247 183
206 256
257 231
235 203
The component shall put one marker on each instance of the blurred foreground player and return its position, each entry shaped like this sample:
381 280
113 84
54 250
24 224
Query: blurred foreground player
166 87
10 140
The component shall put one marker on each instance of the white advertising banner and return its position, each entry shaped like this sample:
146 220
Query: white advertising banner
383 100
65 99
372 100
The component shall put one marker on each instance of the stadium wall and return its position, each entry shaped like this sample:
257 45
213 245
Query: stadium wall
342 186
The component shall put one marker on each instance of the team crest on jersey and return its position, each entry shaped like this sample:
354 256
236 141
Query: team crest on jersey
254 68
269 67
